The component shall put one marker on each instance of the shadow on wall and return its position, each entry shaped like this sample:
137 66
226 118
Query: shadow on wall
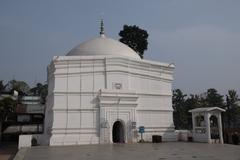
48 122
131 132
96 104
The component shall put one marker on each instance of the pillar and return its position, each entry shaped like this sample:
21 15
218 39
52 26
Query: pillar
220 127
208 134
193 122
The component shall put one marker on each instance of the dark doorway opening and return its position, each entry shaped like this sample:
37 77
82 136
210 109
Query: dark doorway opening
118 132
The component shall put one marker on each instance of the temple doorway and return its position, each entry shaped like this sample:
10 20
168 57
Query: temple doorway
118 132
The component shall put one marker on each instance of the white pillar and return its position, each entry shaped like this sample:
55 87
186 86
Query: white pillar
220 127
193 122
208 134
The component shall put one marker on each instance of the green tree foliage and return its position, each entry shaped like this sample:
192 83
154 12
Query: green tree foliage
134 37
183 103
44 93
36 91
213 98
193 101
179 110
232 115
20 86
7 105
2 86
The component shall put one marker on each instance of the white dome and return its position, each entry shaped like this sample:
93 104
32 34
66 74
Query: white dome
103 46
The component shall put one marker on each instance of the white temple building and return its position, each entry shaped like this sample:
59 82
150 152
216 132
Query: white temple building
102 92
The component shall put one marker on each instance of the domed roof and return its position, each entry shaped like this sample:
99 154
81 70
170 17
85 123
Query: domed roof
103 46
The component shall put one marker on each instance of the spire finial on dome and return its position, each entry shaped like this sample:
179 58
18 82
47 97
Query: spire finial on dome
102 29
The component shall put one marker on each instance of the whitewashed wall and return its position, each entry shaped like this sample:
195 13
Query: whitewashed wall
79 85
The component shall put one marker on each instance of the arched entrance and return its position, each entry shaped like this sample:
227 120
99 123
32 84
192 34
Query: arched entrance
214 130
118 132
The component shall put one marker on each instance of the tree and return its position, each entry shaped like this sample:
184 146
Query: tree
232 109
37 89
183 103
179 111
213 98
44 93
7 106
134 37
193 101
20 86
2 86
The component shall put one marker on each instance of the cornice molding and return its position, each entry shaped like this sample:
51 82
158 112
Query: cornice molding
111 92
111 60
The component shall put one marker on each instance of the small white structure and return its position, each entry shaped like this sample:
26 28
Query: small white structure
102 91
183 135
207 124
24 141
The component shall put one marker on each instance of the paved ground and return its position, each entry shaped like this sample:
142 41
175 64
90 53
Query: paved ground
8 150
148 151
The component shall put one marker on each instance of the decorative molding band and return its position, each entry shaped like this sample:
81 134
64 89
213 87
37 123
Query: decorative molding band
118 105
68 132
74 128
140 65
159 130
119 92
75 109
110 58
146 76
150 110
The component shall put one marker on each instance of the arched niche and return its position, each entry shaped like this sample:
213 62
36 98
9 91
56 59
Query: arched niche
214 129
199 120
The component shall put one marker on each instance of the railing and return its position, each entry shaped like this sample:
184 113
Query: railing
200 130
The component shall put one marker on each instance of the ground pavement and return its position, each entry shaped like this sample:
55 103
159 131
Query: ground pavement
146 151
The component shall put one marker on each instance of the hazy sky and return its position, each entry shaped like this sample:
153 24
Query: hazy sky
202 37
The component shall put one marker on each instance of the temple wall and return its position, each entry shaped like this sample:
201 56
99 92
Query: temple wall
132 91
